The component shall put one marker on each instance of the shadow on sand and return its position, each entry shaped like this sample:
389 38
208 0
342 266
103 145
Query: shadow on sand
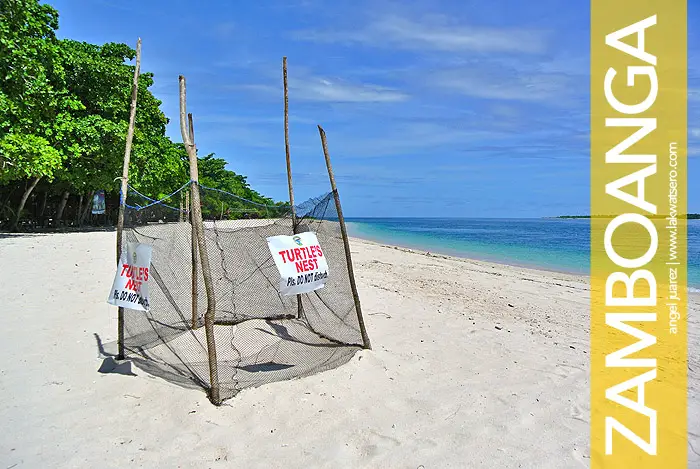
109 363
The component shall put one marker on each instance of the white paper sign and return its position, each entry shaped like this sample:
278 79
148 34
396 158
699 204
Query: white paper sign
301 262
130 287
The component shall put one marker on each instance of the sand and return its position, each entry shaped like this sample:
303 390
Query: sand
474 365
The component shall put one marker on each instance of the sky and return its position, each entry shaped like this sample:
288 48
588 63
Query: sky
432 108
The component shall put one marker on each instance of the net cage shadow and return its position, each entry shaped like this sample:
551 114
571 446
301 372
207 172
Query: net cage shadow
261 336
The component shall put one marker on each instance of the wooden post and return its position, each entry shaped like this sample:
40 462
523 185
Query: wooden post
300 308
198 223
190 125
125 180
346 242
195 261
286 142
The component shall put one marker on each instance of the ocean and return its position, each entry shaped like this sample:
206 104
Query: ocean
548 243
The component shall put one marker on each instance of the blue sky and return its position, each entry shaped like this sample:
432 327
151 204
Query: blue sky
432 108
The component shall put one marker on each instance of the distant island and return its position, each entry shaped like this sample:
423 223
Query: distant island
690 216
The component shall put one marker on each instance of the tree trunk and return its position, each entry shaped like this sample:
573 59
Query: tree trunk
61 207
88 206
25 196
43 208
80 209
6 202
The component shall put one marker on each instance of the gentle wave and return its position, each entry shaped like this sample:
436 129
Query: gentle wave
552 244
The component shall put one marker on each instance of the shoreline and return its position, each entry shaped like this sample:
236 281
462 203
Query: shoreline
691 290
467 259
356 232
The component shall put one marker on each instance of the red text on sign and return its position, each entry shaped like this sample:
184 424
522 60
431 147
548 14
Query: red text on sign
136 276
301 254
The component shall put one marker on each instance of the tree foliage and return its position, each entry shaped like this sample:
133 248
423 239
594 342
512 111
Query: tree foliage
64 112
31 88
213 174
26 156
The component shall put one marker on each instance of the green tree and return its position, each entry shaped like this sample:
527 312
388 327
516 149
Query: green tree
213 174
101 80
31 94
64 110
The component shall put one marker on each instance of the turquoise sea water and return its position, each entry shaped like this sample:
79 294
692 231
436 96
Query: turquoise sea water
554 244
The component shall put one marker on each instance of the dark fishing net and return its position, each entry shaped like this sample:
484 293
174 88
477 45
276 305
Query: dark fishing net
261 336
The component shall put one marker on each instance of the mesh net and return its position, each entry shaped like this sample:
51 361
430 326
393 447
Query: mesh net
260 335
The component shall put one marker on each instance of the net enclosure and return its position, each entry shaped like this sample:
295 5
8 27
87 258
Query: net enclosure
259 335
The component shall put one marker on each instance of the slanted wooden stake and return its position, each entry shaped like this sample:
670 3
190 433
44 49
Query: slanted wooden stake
300 307
195 288
125 180
198 223
346 242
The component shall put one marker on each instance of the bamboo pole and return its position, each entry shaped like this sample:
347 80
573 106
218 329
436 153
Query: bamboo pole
214 395
124 188
195 287
300 307
286 142
346 242
190 126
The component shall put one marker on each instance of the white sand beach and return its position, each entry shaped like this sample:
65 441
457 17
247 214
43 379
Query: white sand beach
474 365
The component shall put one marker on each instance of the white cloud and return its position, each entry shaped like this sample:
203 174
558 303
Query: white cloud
506 85
330 90
407 138
438 35
259 119
306 87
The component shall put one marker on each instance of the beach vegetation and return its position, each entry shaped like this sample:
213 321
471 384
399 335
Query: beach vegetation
64 113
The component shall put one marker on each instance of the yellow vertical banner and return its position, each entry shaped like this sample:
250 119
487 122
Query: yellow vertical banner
638 234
